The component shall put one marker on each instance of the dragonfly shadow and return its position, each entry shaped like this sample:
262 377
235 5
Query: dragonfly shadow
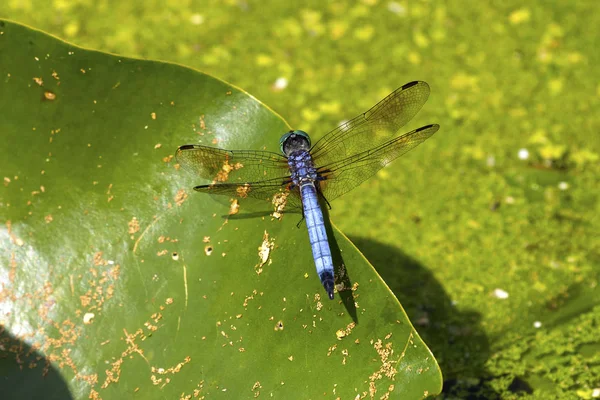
28 374
341 274
454 335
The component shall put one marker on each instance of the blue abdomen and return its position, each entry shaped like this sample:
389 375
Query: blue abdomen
317 235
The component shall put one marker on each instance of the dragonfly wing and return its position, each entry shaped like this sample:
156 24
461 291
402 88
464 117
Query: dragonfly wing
373 127
275 195
344 175
233 166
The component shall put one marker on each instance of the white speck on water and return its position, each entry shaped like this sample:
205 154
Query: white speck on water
523 154
396 8
537 324
197 19
280 83
563 185
501 294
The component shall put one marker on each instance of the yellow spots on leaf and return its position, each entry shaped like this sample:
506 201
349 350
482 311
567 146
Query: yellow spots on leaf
519 16
518 112
331 108
364 33
337 29
555 86
310 115
421 40
462 81
414 58
575 57
71 29
208 250
264 60
38 81
311 21
358 68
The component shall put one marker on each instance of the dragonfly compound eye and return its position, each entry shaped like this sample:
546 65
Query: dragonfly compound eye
294 140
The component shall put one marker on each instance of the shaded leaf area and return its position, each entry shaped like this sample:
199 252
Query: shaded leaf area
118 281
554 358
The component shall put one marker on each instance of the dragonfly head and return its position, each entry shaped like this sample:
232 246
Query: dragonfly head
294 141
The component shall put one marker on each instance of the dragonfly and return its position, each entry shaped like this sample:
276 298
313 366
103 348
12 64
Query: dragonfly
304 176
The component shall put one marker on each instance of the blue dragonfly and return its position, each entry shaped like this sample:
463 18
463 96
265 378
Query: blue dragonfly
334 165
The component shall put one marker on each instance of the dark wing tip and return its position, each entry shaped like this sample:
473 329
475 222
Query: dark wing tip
186 147
202 188
436 126
409 84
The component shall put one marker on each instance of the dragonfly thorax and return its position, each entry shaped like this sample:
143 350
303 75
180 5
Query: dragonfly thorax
294 141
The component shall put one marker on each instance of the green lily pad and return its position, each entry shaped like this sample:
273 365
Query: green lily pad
119 281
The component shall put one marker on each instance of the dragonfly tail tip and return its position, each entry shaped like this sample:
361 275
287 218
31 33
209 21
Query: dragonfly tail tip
328 285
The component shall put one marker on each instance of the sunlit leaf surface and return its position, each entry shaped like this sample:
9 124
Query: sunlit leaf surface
119 281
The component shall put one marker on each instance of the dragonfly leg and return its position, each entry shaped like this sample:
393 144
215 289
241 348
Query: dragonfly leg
324 198
301 219
320 178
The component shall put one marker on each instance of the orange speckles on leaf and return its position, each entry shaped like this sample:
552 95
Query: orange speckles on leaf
342 333
226 169
180 197
279 202
133 226
157 146
48 95
264 250
234 208
242 191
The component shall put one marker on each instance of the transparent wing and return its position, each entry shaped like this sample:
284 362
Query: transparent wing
373 127
342 176
232 166
244 175
274 195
